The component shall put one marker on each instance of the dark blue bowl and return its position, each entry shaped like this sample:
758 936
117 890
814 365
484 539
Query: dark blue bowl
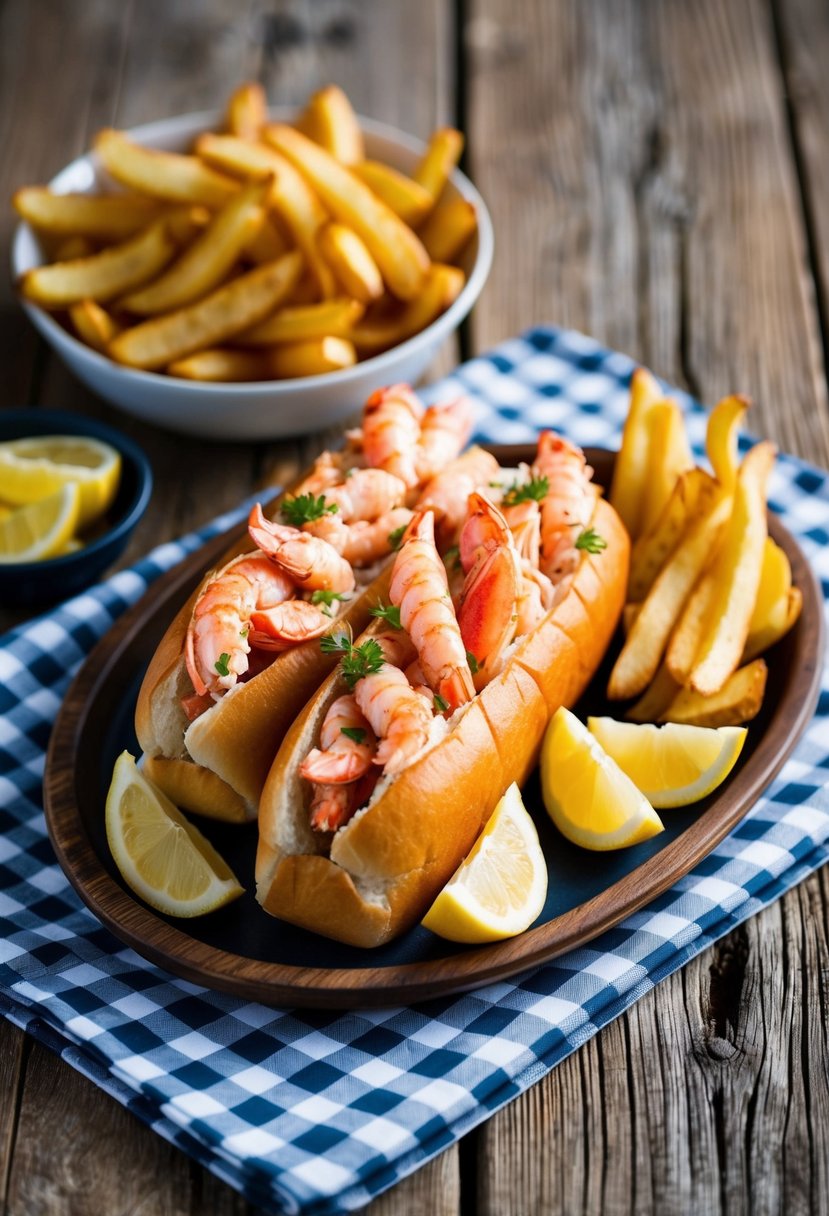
34 584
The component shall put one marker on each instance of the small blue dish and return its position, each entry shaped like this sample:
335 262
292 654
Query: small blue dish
35 584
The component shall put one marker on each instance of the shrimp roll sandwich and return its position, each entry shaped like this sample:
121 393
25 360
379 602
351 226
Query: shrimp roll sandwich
242 656
387 777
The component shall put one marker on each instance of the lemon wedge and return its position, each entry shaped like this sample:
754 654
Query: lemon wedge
161 856
43 529
673 764
499 890
32 469
587 796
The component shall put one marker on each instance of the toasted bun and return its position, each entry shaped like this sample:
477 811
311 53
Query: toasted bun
388 864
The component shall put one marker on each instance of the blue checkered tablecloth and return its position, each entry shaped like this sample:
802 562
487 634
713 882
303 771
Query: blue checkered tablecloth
320 1111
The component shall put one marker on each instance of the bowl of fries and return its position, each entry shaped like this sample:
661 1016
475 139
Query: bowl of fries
252 274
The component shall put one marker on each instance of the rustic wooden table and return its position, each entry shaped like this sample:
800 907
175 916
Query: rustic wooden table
658 176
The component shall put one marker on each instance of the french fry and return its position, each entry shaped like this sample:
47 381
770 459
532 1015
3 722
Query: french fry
778 623
443 285
185 223
402 260
290 195
267 243
208 260
104 275
351 262
693 494
313 358
629 614
222 366
739 700
170 175
73 247
631 471
330 121
449 229
247 110
690 629
107 218
644 646
669 457
736 574
442 155
93 324
655 700
721 439
209 322
406 197
302 322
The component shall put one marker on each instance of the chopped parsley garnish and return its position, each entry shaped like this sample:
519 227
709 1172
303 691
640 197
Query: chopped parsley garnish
335 643
357 661
221 664
326 597
305 508
440 705
590 541
536 489
396 537
353 732
243 633
474 665
388 613
452 554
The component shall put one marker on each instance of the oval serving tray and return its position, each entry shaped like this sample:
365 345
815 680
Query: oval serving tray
281 965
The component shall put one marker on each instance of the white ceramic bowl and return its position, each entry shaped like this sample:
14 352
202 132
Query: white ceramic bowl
273 408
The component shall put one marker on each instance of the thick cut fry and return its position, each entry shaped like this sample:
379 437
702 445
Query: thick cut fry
185 223
736 572
208 260
406 197
631 471
290 195
738 701
685 640
170 175
267 243
655 700
351 262
443 153
107 218
692 495
313 358
777 624
223 366
303 322
104 275
669 457
629 614
330 121
247 110
721 439
211 321
775 583
449 229
443 285
93 324
397 251
643 649
72 248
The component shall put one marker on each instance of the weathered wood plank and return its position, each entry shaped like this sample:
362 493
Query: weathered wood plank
13 1051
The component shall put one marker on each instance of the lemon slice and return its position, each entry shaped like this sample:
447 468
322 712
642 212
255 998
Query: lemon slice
32 469
588 797
40 530
672 765
161 856
500 888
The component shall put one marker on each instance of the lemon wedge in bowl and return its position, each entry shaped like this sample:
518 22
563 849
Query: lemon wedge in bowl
42 529
162 857
587 796
673 765
32 469
500 888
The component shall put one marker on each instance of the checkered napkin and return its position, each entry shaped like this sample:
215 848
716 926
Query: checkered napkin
320 1111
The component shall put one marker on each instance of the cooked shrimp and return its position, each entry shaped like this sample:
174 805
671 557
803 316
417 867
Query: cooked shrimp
366 495
524 519
287 625
333 805
360 543
444 429
217 644
347 745
399 716
391 431
309 561
419 588
448 491
491 589
568 505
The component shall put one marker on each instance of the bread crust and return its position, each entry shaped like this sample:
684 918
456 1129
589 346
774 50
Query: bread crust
387 865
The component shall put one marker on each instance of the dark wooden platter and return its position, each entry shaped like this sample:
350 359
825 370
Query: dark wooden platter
281 965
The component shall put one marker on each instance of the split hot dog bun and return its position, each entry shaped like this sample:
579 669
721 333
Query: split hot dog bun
390 861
